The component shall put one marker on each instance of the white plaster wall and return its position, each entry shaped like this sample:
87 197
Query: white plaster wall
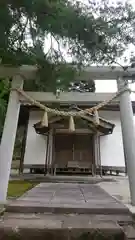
35 151
111 146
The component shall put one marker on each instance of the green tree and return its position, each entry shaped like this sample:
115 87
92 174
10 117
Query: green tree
4 94
98 32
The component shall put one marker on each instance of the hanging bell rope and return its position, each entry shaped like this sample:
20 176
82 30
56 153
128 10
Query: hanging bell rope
71 124
44 121
96 116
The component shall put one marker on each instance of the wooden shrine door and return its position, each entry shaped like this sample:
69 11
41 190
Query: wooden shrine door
73 147
63 149
83 149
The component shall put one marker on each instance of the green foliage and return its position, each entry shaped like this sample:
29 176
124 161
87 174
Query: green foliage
51 76
92 33
98 32
4 93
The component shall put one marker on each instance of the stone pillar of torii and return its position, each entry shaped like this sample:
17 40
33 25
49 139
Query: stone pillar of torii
128 135
102 73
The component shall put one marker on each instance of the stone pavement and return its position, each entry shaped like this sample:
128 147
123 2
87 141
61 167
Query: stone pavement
118 188
67 198
66 211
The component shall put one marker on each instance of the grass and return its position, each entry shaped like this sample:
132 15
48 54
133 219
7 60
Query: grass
17 188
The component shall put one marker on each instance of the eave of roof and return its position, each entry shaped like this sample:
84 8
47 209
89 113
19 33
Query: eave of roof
104 127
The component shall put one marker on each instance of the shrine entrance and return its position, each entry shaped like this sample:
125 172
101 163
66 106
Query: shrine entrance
74 153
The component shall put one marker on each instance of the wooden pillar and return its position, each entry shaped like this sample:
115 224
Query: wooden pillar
96 149
46 157
128 134
97 153
8 138
21 168
50 150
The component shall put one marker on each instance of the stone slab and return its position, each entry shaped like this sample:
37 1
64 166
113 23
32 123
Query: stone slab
125 219
62 227
63 209
67 198
62 234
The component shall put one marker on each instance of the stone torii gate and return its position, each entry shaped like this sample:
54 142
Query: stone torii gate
18 75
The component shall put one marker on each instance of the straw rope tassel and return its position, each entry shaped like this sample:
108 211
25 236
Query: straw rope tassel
44 121
71 124
96 116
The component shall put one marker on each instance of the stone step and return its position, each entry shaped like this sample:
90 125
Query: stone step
62 227
24 206
63 179
129 231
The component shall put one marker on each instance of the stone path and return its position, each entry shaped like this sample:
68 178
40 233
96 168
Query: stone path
119 188
67 198
66 211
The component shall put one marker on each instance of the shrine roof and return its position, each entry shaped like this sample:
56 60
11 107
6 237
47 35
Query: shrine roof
104 126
